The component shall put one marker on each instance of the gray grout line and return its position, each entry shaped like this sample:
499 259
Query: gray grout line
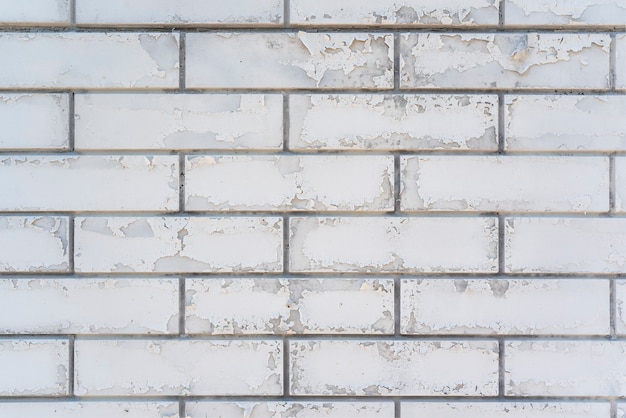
612 62
182 59
182 413
71 365
397 184
501 124
70 243
613 406
71 134
286 14
181 183
286 365
612 308
396 62
181 307
72 7
612 180
501 369
501 7
397 407
286 124
397 306
501 245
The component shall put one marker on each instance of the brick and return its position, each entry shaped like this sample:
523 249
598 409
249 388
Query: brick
512 60
393 122
505 183
34 243
35 12
17 113
98 409
558 245
565 123
490 409
276 306
398 244
289 60
565 368
89 60
388 12
180 12
620 184
88 306
620 61
178 244
89 183
620 301
392 368
179 121
290 409
34 367
175 367
569 13
505 306
289 183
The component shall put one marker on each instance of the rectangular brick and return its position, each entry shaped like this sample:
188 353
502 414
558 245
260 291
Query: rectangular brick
565 368
620 61
620 184
289 60
391 12
505 306
490 409
565 13
289 183
511 60
620 297
88 306
393 122
505 183
175 367
276 306
34 367
393 244
179 12
34 243
98 409
295 409
560 245
17 113
89 60
565 123
394 368
34 12
179 121
178 244
89 183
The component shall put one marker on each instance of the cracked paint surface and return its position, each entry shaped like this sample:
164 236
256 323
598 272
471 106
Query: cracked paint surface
334 368
552 409
277 306
297 60
564 12
289 409
525 60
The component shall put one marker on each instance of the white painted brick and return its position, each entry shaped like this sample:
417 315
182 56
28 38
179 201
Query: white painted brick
620 61
388 368
62 409
307 306
178 244
290 409
563 12
17 113
35 12
89 60
620 184
34 367
392 12
364 244
505 183
88 306
179 12
565 368
393 122
89 183
175 367
34 243
490 409
557 245
178 121
289 60
565 123
524 60
289 183
505 306
620 300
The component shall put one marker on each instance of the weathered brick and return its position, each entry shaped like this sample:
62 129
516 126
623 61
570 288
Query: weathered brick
98 409
290 409
89 183
389 368
175 367
178 121
512 60
401 244
178 244
620 301
505 306
564 13
88 306
490 409
289 183
393 122
620 184
301 306
289 60
34 12
620 61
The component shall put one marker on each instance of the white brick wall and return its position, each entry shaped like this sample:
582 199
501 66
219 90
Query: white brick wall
298 208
